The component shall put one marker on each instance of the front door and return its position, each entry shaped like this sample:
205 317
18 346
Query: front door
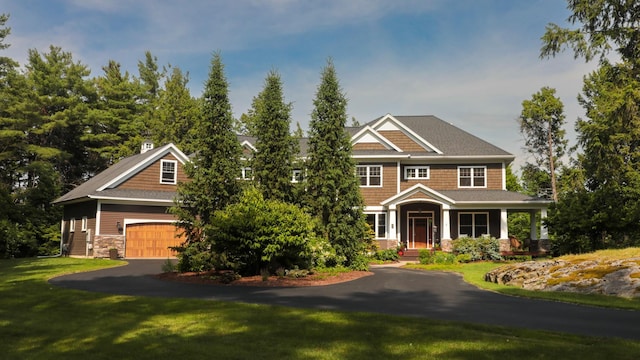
420 231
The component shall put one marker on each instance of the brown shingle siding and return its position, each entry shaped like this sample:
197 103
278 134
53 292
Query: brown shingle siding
369 146
374 195
401 140
149 178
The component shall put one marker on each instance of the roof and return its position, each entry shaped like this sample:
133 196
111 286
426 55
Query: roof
119 171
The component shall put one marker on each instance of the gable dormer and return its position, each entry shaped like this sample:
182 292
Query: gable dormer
369 139
402 136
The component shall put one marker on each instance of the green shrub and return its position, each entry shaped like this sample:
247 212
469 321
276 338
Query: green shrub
194 257
463 258
484 248
256 233
360 263
436 257
386 255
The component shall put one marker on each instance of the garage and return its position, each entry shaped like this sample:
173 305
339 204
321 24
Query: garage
151 240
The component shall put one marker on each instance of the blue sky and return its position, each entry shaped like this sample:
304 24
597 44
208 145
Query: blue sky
469 62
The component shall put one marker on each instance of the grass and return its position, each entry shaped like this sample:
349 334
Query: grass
473 273
40 321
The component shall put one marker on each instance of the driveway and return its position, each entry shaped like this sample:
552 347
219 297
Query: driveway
395 291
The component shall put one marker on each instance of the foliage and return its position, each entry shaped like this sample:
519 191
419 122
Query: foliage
541 123
272 163
386 255
195 256
215 168
427 256
258 233
483 248
333 193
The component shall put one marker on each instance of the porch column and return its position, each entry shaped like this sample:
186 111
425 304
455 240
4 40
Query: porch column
504 224
445 232
532 222
393 226
544 232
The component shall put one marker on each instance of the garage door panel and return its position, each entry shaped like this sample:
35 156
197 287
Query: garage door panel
151 240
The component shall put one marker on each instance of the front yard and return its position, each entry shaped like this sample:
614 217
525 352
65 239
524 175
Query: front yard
40 321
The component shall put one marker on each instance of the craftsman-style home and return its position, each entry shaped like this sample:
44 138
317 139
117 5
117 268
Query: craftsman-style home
424 182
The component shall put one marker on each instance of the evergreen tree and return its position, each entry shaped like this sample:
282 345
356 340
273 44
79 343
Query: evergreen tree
541 123
333 189
115 125
176 112
215 168
272 163
149 81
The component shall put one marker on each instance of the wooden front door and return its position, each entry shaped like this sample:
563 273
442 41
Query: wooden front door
151 240
420 232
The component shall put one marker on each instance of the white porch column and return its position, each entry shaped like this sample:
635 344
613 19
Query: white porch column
393 226
504 224
544 232
445 231
532 222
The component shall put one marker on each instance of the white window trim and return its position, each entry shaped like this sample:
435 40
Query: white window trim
295 175
368 167
377 223
72 225
244 171
472 177
417 172
84 223
175 172
473 223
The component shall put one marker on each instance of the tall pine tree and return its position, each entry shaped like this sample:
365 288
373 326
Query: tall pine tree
273 162
215 167
333 190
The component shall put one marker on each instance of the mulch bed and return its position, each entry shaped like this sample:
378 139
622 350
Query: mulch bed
211 278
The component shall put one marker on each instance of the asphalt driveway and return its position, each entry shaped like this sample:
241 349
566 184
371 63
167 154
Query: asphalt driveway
395 291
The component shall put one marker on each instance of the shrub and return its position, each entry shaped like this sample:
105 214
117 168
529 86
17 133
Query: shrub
256 233
386 255
436 257
484 248
360 263
463 258
194 257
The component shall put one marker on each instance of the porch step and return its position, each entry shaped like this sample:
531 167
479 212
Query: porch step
410 255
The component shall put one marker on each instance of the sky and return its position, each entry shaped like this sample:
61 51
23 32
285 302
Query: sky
468 62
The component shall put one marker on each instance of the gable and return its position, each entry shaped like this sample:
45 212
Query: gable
148 178
401 136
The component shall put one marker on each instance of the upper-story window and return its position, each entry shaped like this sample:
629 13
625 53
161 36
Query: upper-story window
296 176
472 176
168 172
369 175
247 173
416 172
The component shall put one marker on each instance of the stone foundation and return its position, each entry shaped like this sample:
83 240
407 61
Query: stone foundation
447 245
387 244
102 244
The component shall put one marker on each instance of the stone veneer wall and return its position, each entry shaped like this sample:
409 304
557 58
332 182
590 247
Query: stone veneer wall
102 244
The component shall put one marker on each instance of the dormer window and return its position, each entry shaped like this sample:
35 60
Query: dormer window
168 172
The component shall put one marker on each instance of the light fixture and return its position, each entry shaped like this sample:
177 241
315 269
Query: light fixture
119 226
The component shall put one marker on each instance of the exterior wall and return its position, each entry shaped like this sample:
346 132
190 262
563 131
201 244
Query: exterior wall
111 214
149 178
368 146
400 139
77 240
103 243
445 177
374 195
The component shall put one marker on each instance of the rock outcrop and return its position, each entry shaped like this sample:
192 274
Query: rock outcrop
608 277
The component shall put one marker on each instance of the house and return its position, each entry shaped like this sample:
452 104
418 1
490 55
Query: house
423 180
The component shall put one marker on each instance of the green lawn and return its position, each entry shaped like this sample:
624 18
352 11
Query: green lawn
40 321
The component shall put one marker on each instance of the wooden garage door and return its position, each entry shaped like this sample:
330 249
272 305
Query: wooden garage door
151 240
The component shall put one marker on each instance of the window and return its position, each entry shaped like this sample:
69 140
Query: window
72 225
369 175
473 224
168 173
472 176
378 223
296 176
247 173
416 172
84 223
